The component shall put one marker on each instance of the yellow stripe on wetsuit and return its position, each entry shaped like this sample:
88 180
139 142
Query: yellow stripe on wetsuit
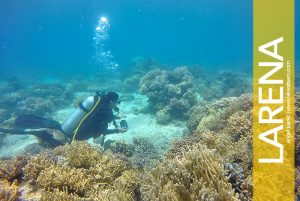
76 130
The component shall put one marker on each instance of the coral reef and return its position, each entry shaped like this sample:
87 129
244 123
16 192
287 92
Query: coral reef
131 83
180 146
75 180
145 153
225 84
138 68
34 105
12 169
205 113
104 195
235 176
39 99
9 100
36 164
34 148
226 126
9 192
122 147
171 93
56 194
198 175
246 189
77 171
81 155
204 109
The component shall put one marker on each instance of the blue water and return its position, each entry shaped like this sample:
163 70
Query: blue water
56 37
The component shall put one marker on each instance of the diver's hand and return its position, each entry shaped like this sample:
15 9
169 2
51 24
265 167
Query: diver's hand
122 130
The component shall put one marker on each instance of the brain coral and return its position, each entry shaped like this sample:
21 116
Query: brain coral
170 93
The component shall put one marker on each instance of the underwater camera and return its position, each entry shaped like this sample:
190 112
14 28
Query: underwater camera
124 124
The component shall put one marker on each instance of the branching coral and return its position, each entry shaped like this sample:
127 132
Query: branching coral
8 192
226 125
12 169
75 180
233 147
108 169
170 93
38 163
198 175
239 124
113 194
207 110
57 195
77 171
179 146
80 154
129 180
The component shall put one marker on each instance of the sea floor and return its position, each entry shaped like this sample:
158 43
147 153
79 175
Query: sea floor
140 125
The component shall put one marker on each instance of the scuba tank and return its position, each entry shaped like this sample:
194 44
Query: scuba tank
85 107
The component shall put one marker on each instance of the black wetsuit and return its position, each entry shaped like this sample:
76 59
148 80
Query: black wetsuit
96 123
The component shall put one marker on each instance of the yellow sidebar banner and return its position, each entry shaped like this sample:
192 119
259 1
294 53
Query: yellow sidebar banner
273 100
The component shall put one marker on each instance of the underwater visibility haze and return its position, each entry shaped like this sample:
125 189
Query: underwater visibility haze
126 100
56 37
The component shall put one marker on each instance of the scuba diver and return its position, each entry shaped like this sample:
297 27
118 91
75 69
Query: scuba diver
91 119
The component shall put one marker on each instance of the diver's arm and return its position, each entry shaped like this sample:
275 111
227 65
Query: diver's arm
112 131
121 116
117 130
117 117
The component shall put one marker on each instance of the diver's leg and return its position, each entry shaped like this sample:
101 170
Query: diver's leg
43 134
32 121
13 131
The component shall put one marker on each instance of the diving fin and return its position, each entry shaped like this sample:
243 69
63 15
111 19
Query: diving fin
32 121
